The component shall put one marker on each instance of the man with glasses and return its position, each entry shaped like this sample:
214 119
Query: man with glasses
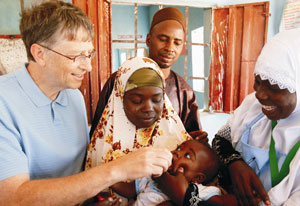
78 58
43 123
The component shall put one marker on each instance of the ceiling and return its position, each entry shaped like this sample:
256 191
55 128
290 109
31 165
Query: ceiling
190 3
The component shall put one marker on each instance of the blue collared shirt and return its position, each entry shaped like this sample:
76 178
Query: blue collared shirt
37 136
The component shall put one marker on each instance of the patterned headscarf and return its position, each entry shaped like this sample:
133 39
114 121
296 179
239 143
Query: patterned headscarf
116 136
144 77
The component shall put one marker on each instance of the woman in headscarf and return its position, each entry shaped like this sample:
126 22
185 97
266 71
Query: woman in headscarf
138 114
259 144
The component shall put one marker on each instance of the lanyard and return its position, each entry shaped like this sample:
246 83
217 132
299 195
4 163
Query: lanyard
277 175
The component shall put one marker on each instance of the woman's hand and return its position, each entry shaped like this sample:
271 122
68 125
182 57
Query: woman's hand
199 135
247 186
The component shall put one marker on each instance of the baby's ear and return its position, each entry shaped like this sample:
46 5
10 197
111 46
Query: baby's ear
199 178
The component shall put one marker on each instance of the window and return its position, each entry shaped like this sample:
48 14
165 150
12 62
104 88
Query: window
129 40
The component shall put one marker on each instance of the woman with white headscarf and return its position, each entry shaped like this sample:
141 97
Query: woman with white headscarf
264 132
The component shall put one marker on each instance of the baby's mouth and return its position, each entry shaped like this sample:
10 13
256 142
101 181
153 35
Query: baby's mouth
180 170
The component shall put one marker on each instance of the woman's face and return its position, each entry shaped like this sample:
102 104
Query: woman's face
143 105
276 103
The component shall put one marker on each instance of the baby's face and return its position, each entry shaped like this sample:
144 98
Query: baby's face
187 159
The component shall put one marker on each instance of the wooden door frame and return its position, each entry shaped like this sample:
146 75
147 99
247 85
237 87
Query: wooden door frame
99 11
235 45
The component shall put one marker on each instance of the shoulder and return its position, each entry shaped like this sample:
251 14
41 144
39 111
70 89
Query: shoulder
112 77
249 105
109 82
10 83
181 82
7 81
9 87
243 115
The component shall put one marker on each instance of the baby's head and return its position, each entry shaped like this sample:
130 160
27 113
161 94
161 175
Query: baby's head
196 160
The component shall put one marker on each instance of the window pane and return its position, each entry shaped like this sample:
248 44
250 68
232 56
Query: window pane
121 52
197 59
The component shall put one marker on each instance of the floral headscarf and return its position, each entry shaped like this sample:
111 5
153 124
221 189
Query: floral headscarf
116 136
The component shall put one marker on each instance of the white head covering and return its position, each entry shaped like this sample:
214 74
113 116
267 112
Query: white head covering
116 136
279 62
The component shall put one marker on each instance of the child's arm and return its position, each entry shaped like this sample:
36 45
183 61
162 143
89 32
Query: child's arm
173 186
125 189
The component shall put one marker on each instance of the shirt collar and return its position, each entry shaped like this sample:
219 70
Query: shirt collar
34 92
62 98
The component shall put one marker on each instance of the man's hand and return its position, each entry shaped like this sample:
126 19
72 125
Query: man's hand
247 186
199 135
144 162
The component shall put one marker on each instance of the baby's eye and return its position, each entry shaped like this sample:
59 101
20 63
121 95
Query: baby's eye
178 149
187 155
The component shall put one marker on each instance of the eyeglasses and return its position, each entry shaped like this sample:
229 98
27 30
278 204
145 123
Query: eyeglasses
78 59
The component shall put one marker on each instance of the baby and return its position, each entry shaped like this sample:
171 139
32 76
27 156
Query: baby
194 165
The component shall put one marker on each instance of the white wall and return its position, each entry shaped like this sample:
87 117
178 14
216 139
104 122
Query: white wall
212 122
